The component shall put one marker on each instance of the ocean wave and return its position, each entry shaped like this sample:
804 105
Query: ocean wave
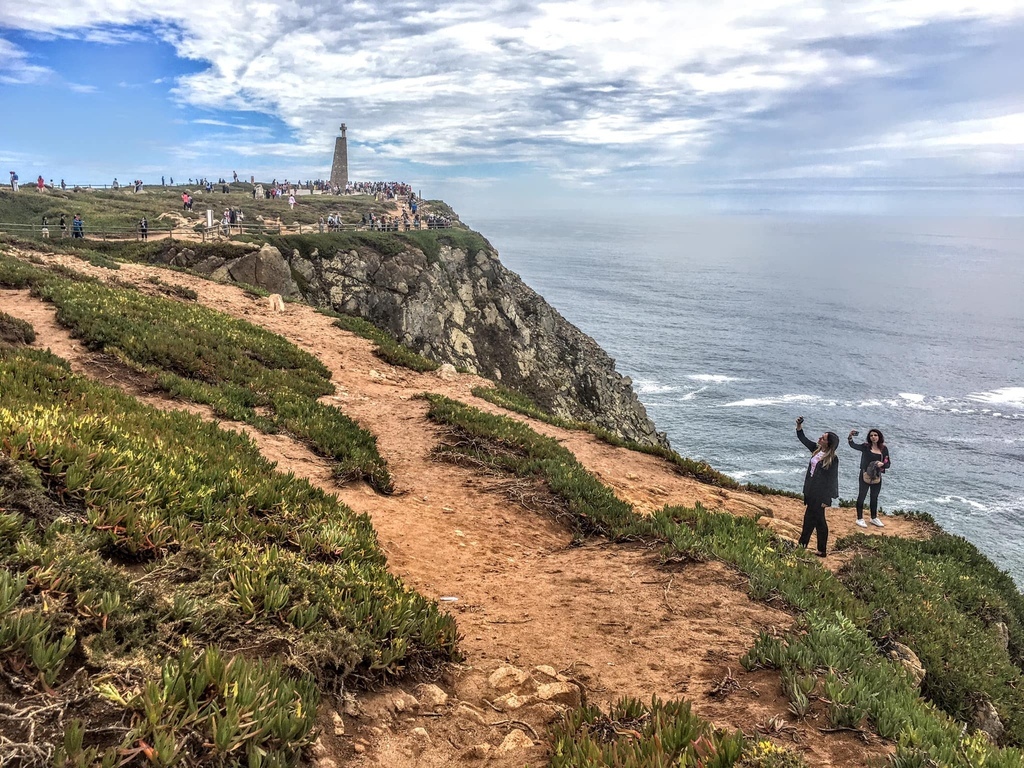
943 500
714 378
743 475
1011 396
784 399
693 394
652 387
1009 399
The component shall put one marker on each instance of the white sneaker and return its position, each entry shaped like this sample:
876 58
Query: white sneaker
876 521
862 524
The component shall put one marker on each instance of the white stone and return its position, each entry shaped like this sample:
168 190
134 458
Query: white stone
431 696
559 693
506 677
515 741
339 724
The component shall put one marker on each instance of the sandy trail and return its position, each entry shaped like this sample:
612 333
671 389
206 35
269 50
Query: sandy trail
606 615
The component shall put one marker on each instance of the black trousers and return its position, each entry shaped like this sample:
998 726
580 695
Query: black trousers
864 492
814 520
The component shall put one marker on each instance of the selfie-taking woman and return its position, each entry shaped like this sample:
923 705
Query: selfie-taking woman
821 485
874 460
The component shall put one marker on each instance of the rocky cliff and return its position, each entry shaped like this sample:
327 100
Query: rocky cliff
457 305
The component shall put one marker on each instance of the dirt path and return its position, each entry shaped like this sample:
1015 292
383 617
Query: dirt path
605 616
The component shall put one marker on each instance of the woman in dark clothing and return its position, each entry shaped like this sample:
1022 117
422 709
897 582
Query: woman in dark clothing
874 460
821 485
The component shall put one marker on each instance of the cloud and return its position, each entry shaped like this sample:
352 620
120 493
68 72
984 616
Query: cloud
587 89
15 68
82 88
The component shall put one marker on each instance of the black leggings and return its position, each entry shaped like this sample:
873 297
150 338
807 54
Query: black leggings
814 520
874 498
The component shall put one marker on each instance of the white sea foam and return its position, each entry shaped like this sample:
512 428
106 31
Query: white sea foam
652 387
960 500
693 394
912 397
757 402
714 378
761 472
1006 396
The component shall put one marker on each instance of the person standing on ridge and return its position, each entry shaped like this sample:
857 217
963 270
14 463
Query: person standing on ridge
14 181
143 229
874 460
821 485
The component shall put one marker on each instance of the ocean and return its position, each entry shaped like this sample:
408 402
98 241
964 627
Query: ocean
733 326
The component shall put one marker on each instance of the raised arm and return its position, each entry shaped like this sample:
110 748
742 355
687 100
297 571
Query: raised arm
855 445
808 443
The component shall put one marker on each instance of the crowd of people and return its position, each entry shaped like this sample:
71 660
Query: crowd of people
821 480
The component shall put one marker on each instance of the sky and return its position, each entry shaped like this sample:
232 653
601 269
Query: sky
841 106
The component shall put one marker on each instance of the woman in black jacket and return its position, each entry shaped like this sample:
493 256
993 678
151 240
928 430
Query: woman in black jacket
821 485
874 460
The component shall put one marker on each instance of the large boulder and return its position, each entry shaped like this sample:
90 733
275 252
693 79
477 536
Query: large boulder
265 269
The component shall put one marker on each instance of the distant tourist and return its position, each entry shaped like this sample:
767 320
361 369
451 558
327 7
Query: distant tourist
874 460
184 201
14 181
63 225
40 184
115 185
63 186
320 223
291 202
77 226
235 174
45 230
143 228
163 182
821 485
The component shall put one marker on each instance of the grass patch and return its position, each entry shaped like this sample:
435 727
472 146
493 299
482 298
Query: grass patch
240 370
205 599
699 470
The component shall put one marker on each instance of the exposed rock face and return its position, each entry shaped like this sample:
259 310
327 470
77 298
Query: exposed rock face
472 312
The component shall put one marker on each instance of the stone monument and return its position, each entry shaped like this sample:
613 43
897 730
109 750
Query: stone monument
339 170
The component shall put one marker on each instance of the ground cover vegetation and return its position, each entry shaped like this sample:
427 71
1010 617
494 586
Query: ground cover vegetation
834 661
519 402
241 371
166 598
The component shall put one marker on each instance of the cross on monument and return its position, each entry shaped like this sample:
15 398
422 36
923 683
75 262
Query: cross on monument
343 129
